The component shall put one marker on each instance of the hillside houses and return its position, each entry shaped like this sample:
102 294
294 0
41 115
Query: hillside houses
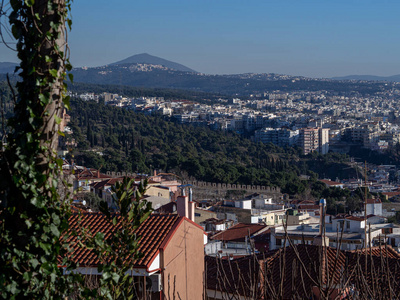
314 120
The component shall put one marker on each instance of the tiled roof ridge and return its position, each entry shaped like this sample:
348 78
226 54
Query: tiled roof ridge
378 251
330 182
310 257
251 230
153 231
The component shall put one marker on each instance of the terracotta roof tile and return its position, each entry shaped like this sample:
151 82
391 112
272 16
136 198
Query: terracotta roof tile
385 251
238 232
153 232
374 201
299 267
391 194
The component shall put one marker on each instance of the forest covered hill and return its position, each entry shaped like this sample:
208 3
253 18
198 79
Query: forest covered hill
117 139
236 84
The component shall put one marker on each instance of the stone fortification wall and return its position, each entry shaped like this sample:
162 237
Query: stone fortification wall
218 189
120 174
221 188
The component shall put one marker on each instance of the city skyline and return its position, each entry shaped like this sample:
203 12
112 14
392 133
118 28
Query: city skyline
307 38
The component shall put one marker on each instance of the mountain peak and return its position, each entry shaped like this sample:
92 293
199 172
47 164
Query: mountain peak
145 58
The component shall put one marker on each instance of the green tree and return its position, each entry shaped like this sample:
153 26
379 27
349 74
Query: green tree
34 218
115 267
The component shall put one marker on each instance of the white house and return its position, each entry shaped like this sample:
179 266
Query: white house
353 236
350 224
243 203
374 207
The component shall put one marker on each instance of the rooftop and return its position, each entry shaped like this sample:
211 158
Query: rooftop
238 232
153 232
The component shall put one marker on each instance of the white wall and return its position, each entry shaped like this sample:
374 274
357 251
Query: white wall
244 204
374 208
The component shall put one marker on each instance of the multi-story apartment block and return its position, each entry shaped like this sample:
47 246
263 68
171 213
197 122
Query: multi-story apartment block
391 137
281 136
308 140
314 139
323 136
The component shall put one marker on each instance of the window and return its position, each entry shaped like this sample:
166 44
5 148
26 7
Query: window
340 224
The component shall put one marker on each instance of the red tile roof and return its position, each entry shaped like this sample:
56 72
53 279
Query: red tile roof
91 174
292 272
154 231
387 251
391 194
374 201
238 232
108 182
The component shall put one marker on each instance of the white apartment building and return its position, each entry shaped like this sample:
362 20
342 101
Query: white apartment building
314 139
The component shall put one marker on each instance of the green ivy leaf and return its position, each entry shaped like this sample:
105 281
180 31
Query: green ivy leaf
53 72
115 277
59 162
69 23
29 3
99 239
34 262
57 119
15 32
54 230
43 99
66 102
28 223
71 77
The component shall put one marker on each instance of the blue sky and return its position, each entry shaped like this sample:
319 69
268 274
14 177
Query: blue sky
319 38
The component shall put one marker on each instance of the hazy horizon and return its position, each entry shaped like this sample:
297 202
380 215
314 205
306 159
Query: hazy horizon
305 38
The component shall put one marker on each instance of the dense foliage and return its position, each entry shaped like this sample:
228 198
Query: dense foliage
33 216
120 140
130 91
125 141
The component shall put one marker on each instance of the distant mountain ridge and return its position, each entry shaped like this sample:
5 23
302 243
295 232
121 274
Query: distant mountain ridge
145 58
7 67
393 78
157 76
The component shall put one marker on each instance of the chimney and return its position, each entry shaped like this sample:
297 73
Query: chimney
98 173
182 204
322 205
192 207
155 172
185 208
321 239
190 195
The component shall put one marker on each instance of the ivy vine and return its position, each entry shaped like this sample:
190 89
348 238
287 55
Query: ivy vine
34 217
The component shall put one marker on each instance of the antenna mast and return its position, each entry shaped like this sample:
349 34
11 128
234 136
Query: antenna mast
365 216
